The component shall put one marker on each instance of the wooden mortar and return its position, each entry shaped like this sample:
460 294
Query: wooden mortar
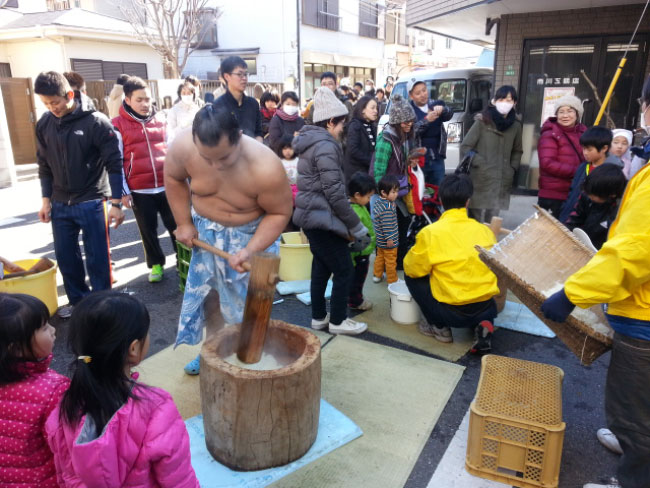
256 419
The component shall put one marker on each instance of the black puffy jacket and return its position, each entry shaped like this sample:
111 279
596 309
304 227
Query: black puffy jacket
76 154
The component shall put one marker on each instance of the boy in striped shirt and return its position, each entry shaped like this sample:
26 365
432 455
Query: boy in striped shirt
384 217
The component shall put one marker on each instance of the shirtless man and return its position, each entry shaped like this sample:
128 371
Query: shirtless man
238 199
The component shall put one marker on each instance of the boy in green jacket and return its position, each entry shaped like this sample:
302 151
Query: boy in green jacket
360 188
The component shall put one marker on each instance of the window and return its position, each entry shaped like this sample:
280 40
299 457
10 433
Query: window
252 65
321 13
368 19
5 70
448 43
95 69
206 38
452 92
395 28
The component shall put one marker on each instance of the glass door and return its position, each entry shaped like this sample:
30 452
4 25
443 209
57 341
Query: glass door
553 68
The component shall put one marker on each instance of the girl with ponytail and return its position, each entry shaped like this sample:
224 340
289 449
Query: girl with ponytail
111 430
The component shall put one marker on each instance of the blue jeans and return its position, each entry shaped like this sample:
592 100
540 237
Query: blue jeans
434 171
90 218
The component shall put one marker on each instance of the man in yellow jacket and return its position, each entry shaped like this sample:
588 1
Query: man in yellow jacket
619 275
444 274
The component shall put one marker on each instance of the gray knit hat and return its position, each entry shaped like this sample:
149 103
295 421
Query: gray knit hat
572 102
327 106
400 110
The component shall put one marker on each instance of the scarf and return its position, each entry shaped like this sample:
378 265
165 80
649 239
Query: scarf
136 115
268 114
369 132
284 116
500 122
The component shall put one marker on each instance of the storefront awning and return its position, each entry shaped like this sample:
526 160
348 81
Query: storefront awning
466 20
340 59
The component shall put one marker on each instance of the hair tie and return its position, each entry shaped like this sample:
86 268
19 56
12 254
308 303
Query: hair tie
85 359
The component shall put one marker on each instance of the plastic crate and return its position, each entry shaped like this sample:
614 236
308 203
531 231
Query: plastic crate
515 425
184 258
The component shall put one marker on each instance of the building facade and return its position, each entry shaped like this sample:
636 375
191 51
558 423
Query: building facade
548 49
291 42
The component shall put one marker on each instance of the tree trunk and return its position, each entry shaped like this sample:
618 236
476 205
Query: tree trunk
257 419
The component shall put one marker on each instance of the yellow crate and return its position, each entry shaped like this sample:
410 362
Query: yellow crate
515 424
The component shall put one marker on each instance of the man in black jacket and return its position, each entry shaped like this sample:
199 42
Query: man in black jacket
429 128
80 166
246 110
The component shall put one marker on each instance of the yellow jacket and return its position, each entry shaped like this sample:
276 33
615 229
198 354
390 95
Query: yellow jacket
445 251
619 274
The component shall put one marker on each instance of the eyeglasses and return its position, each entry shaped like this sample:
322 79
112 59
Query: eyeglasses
240 74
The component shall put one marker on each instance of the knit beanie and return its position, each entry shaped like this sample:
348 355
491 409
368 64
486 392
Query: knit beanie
327 106
623 132
570 101
400 110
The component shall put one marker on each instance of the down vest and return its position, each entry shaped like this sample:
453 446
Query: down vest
560 154
25 458
144 149
322 202
144 445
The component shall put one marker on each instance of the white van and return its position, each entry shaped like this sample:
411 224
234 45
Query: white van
466 90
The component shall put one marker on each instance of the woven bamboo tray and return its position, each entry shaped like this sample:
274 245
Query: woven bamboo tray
539 256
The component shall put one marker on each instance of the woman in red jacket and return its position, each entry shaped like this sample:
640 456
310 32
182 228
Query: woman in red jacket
559 153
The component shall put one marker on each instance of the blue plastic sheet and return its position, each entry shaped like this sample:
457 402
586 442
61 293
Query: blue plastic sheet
334 430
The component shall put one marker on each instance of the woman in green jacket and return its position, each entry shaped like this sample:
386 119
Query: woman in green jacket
495 137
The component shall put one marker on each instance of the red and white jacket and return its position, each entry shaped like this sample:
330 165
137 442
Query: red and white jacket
144 149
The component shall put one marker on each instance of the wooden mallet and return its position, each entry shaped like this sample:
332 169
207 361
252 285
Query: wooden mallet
264 269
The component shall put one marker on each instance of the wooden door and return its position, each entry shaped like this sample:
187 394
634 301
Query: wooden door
21 118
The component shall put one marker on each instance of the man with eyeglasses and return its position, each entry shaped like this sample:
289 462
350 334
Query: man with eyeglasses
246 110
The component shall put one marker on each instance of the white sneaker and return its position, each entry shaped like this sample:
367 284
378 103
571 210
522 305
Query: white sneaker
608 439
320 324
376 279
349 327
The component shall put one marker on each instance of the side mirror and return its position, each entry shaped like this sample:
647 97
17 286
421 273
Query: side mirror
475 105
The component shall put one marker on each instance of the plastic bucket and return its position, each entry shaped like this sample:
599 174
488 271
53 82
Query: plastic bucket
295 258
403 308
40 285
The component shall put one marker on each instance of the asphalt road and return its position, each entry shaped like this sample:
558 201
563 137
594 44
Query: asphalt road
584 460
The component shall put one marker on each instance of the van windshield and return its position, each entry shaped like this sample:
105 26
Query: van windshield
452 92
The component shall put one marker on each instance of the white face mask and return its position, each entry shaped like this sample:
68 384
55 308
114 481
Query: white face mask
188 99
368 87
504 108
290 109
643 125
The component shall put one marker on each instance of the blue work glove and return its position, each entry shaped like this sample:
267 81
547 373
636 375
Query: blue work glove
557 307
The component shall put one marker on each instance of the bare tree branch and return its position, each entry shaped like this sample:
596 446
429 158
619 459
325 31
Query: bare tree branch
173 28
610 121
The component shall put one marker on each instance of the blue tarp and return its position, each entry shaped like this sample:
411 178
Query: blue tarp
334 430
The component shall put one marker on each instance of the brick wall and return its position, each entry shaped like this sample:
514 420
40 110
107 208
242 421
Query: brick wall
562 23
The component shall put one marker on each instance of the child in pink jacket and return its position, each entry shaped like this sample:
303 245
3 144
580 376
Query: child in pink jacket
29 391
111 430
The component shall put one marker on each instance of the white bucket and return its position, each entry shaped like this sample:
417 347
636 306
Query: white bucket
403 308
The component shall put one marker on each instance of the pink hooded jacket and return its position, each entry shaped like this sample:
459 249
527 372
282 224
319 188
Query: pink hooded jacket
145 444
25 458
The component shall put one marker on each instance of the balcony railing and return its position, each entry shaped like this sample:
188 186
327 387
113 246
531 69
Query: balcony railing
60 4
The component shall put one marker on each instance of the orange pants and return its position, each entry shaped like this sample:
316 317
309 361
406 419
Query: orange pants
386 259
